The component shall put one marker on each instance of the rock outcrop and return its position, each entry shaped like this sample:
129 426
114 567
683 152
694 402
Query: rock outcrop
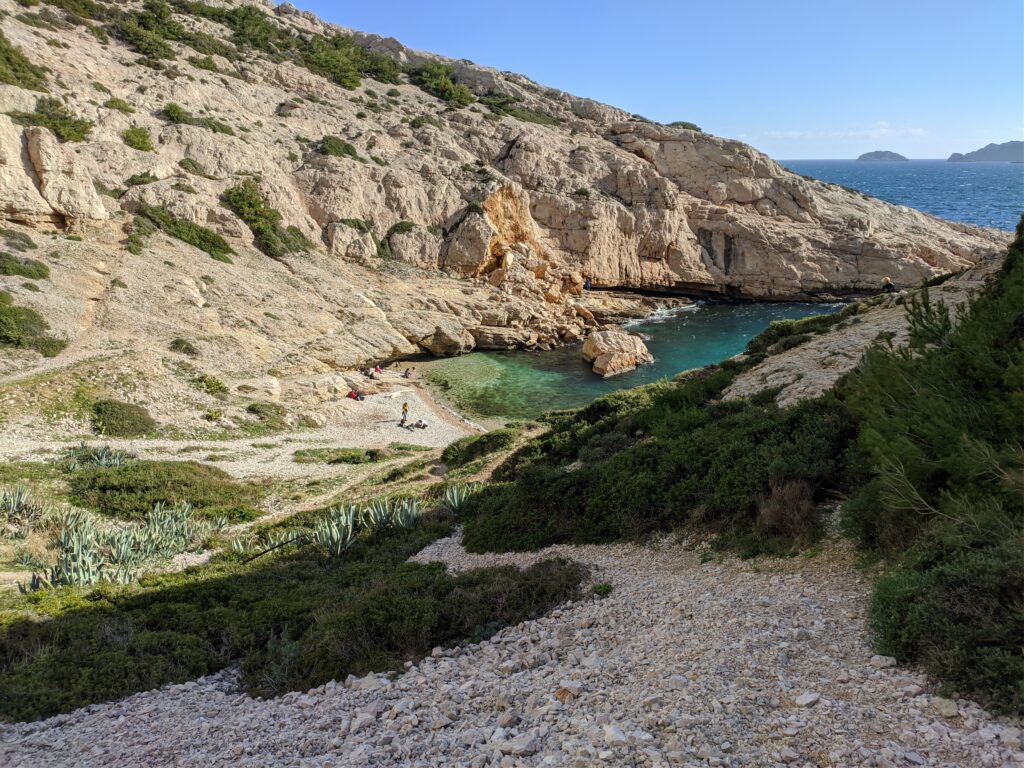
438 230
613 350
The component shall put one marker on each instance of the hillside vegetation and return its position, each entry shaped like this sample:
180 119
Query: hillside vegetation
927 440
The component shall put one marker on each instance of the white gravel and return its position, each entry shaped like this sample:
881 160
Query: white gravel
685 664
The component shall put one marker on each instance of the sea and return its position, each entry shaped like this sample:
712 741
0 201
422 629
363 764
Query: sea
521 385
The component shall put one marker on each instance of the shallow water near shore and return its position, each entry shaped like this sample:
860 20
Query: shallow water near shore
523 385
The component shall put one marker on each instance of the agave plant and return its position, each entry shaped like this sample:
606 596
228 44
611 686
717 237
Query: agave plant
87 456
376 516
89 552
334 535
405 513
19 512
455 496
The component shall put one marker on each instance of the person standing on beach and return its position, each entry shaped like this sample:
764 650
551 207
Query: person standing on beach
405 414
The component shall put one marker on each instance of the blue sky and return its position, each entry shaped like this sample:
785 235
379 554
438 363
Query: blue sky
795 78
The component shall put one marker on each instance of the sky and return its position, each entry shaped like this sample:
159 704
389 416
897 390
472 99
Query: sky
795 78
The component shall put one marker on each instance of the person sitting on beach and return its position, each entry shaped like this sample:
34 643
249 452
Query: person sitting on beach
887 286
378 369
420 424
355 395
405 414
407 374
372 376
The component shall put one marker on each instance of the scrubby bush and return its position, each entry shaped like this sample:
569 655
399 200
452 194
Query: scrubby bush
634 466
338 455
183 347
24 327
51 113
16 69
195 235
785 334
292 619
139 229
502 104
246 202
194 167
17 241
942 488
209 384
138 138
687 125
471 447
335 147
178 114
120 105
141 179
131 490
114 418
30 268
436 79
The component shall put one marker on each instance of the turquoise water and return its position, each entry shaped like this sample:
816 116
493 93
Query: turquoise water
525 384
986 194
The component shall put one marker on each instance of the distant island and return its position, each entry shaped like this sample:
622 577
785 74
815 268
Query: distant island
1008 152
881 156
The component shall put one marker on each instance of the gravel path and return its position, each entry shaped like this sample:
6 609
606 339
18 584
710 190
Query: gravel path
685 664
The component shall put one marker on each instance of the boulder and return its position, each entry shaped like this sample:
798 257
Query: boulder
448 340
613 351
62 182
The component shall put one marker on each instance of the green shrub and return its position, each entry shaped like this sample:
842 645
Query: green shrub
292 619
271 414
634 464
246 202
17 241
30 268
120 105
335 147
193 167
141 179
113 418
138 231
178 114
338 455
195 235
24 327
131 490
183 347
780 330
942 488
961 620
471 447
203 62
687 125
138 138
209 384
51 113
360 225
17 70
603 589
384 244
436 79
500 104
420 120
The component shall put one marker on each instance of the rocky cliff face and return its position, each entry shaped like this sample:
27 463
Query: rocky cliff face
433 229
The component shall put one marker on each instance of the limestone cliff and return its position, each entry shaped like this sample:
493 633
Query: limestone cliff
435 227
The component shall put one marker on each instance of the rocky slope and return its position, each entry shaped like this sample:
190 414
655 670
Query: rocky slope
685 664
430 228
